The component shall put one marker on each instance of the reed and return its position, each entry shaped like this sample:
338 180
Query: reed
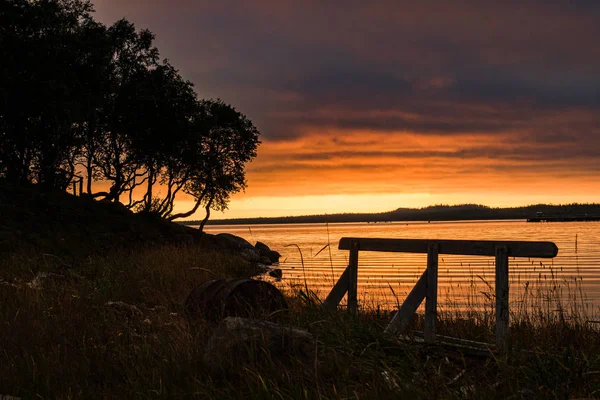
62 341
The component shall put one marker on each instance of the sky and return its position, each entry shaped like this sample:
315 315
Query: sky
371 106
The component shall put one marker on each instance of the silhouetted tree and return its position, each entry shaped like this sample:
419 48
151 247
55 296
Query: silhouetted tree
97 84
44 53
77 96
226 141
133 54
164 106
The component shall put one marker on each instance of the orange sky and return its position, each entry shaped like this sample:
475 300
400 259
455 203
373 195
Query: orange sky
375 106
374 171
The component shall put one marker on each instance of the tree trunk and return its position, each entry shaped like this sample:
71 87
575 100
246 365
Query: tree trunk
192 211
90 171
116 188
148 196
205 220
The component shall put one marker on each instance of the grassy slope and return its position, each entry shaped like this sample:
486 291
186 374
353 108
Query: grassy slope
67 226
62 341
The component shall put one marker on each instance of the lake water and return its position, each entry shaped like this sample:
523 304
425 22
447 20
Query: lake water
572 279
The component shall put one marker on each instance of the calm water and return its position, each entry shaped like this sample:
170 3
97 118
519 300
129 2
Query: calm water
573 277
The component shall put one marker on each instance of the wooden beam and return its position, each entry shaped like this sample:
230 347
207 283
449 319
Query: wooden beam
353 278
431 293
414 299
502 314
461 247
337 293
471 347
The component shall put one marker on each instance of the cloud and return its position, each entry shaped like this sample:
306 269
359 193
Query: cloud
370 95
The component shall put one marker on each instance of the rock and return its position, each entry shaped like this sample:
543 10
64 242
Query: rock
238 342
276 273
265 260
274 256
250 255
237 297
265 251
230 241
262 269
262 248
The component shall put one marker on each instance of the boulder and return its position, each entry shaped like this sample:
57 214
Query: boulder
265 251
250 255
216 299
276 273
274 256
262 248
265 260
239 342
230 241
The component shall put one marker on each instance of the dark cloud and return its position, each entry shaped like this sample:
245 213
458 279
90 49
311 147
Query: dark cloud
472 67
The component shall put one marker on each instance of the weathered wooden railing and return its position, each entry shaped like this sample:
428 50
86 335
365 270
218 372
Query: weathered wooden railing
426 286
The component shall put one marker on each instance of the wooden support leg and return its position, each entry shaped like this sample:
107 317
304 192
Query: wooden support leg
431 293
353 278
337 293
414 299
502 313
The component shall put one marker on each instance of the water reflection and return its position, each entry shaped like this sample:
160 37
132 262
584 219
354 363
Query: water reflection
572 279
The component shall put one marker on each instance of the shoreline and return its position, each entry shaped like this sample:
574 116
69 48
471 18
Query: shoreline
434 222
466 212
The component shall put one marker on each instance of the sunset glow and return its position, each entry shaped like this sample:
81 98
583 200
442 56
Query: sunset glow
405 105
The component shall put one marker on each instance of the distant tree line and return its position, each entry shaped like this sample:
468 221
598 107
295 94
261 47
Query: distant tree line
462 212
80 97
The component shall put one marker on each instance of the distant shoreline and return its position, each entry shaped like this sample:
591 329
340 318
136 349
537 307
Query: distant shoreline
468 212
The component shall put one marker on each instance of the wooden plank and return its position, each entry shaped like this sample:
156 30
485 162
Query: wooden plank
414 299
466 342
470 347
463 247
502 314
431 293
337 293
353 278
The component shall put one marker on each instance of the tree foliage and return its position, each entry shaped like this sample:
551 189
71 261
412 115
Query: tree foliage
79 97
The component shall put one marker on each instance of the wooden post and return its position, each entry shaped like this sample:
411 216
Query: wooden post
431 293
502 313
337 293
414 299
353 278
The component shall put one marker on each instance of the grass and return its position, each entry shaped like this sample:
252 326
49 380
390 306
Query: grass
63 340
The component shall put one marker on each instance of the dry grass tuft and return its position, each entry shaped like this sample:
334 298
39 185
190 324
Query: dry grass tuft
63 341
